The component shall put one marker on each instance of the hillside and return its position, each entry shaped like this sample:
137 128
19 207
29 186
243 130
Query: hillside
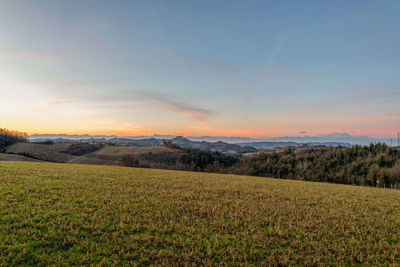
67 214
40 151
119 155
154 142
160 157
12 157
373 165
9 137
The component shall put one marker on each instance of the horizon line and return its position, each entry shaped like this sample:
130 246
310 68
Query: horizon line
322 135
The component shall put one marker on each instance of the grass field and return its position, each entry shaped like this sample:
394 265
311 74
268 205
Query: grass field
111 155
41 151
12 157
63 214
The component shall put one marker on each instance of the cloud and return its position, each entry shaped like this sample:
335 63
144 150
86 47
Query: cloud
178 107
279 43
100 95
163 101
92 40
125 100
302 132
45 106
377 94
38 57
346 104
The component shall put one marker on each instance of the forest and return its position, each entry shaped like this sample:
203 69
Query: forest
373 165
8 137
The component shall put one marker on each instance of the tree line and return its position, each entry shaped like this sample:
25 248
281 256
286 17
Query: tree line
177 158
9 137
373 165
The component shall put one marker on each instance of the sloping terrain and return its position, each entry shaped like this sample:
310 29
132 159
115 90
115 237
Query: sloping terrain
12 157
153 142
119 155
40 151
68 214
64 152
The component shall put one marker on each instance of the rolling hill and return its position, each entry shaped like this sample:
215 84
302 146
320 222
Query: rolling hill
51 153
102 155
12 157
154 142
68 214
114 155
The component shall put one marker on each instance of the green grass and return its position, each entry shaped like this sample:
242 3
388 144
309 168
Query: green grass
63 214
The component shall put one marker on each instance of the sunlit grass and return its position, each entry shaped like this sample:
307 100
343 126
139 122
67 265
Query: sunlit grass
62 214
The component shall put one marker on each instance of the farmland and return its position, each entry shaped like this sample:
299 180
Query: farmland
63 214
108 155
12 157
41 151
373 165
113 155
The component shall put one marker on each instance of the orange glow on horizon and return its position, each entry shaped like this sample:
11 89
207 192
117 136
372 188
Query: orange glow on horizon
383 133
203 129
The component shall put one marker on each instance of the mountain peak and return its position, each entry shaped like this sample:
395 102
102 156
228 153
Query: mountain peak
180 139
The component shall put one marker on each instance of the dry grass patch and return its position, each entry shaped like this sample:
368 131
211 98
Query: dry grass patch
12 157
41 151
113 155
62 214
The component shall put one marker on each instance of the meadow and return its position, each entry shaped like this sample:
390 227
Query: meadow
155 157
44 152
114 155
12 157
74 214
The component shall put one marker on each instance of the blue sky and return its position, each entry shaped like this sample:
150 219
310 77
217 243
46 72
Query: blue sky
248 68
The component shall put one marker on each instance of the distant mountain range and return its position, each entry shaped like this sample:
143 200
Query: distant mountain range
243 147
334 138
69 136
156 136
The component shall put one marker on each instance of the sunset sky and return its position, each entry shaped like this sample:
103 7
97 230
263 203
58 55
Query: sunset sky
219 68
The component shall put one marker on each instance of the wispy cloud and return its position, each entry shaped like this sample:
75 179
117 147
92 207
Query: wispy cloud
346 104
91 39
188 110
38 57
45 106
279 43
123 100
161 100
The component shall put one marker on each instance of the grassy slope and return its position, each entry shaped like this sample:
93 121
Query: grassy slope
12 157
111 155
82 214
123 150
44 152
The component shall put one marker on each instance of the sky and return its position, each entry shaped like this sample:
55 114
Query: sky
258 69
